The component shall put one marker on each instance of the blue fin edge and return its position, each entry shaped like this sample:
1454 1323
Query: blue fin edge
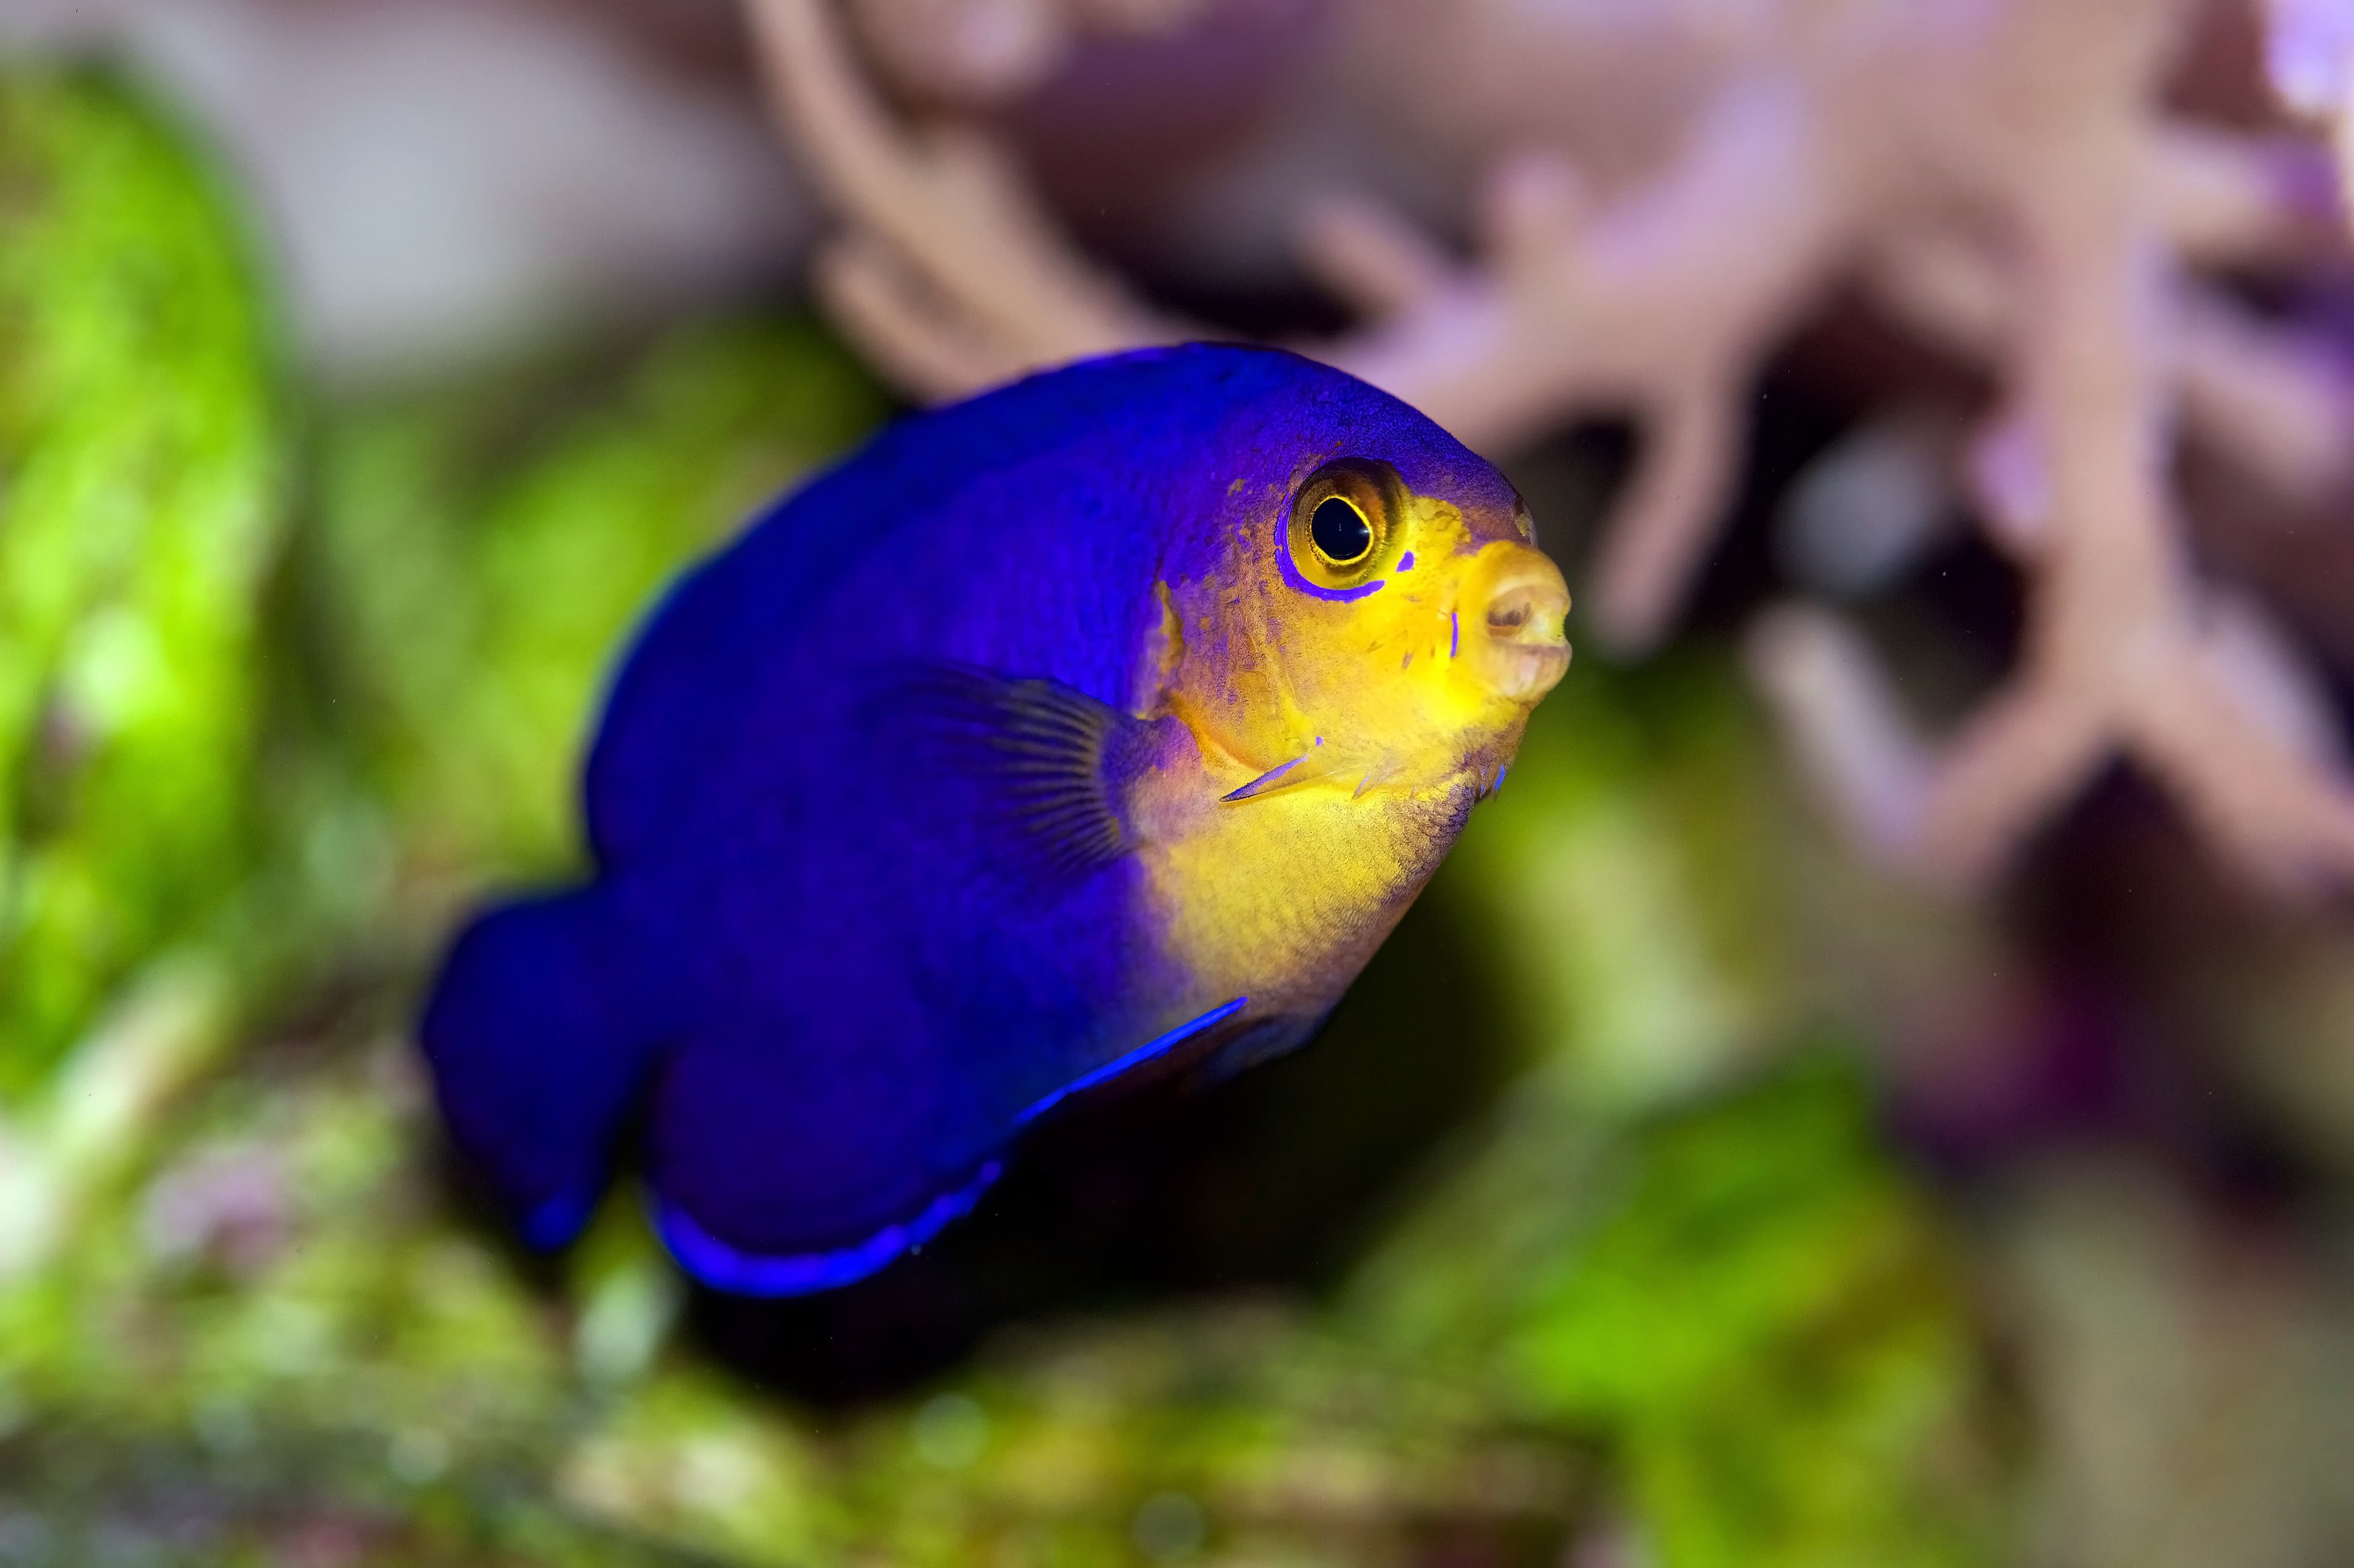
728 1269
1141 1055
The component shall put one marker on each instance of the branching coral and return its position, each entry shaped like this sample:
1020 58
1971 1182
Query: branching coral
1999 175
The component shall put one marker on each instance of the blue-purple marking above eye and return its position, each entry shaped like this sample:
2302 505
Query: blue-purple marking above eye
1454 634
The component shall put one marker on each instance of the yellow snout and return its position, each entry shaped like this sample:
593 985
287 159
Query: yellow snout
1511 621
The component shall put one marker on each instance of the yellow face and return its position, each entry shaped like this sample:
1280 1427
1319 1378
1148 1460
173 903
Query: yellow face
1353 683
1374 639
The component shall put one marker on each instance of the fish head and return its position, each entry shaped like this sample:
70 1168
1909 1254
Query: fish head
1383 618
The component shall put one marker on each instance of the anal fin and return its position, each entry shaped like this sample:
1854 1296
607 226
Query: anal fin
732 1269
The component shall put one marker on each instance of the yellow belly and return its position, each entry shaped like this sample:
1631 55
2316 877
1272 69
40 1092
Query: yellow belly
1283 897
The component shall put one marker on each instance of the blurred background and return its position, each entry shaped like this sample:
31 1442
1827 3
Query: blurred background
1877 1089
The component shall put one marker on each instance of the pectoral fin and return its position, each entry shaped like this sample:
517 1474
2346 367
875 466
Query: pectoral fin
1041 764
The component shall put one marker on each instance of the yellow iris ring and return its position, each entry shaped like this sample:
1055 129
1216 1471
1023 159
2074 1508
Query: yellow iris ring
1375 493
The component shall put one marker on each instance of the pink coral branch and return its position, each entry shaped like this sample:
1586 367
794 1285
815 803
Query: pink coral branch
1855 744
955 278
2254 393
2118 658
1641 306
2228 198
2001 176
958 278
1670 514
2287 824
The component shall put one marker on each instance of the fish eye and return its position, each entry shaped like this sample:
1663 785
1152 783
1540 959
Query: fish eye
1340 531
1345 525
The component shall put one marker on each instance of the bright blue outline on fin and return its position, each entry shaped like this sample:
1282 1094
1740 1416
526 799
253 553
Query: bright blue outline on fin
1142 1054
724 1268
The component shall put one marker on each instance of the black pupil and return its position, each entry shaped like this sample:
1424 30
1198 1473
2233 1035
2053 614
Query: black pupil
1341 531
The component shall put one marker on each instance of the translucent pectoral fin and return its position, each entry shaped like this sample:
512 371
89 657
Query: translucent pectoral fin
1039 765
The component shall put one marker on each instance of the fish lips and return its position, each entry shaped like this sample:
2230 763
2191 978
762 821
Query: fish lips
1513 609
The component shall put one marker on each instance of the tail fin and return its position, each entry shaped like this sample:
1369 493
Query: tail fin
539 1041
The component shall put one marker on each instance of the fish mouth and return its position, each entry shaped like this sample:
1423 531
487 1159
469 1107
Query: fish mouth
1514 606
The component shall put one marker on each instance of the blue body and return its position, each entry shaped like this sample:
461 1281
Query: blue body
835 983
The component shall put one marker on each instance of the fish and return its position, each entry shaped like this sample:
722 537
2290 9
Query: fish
1091 731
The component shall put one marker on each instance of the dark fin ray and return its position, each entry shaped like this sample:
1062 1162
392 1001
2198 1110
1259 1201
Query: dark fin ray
538 1048
1041 757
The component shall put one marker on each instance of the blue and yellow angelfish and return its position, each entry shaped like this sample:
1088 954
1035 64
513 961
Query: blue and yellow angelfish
1098 727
